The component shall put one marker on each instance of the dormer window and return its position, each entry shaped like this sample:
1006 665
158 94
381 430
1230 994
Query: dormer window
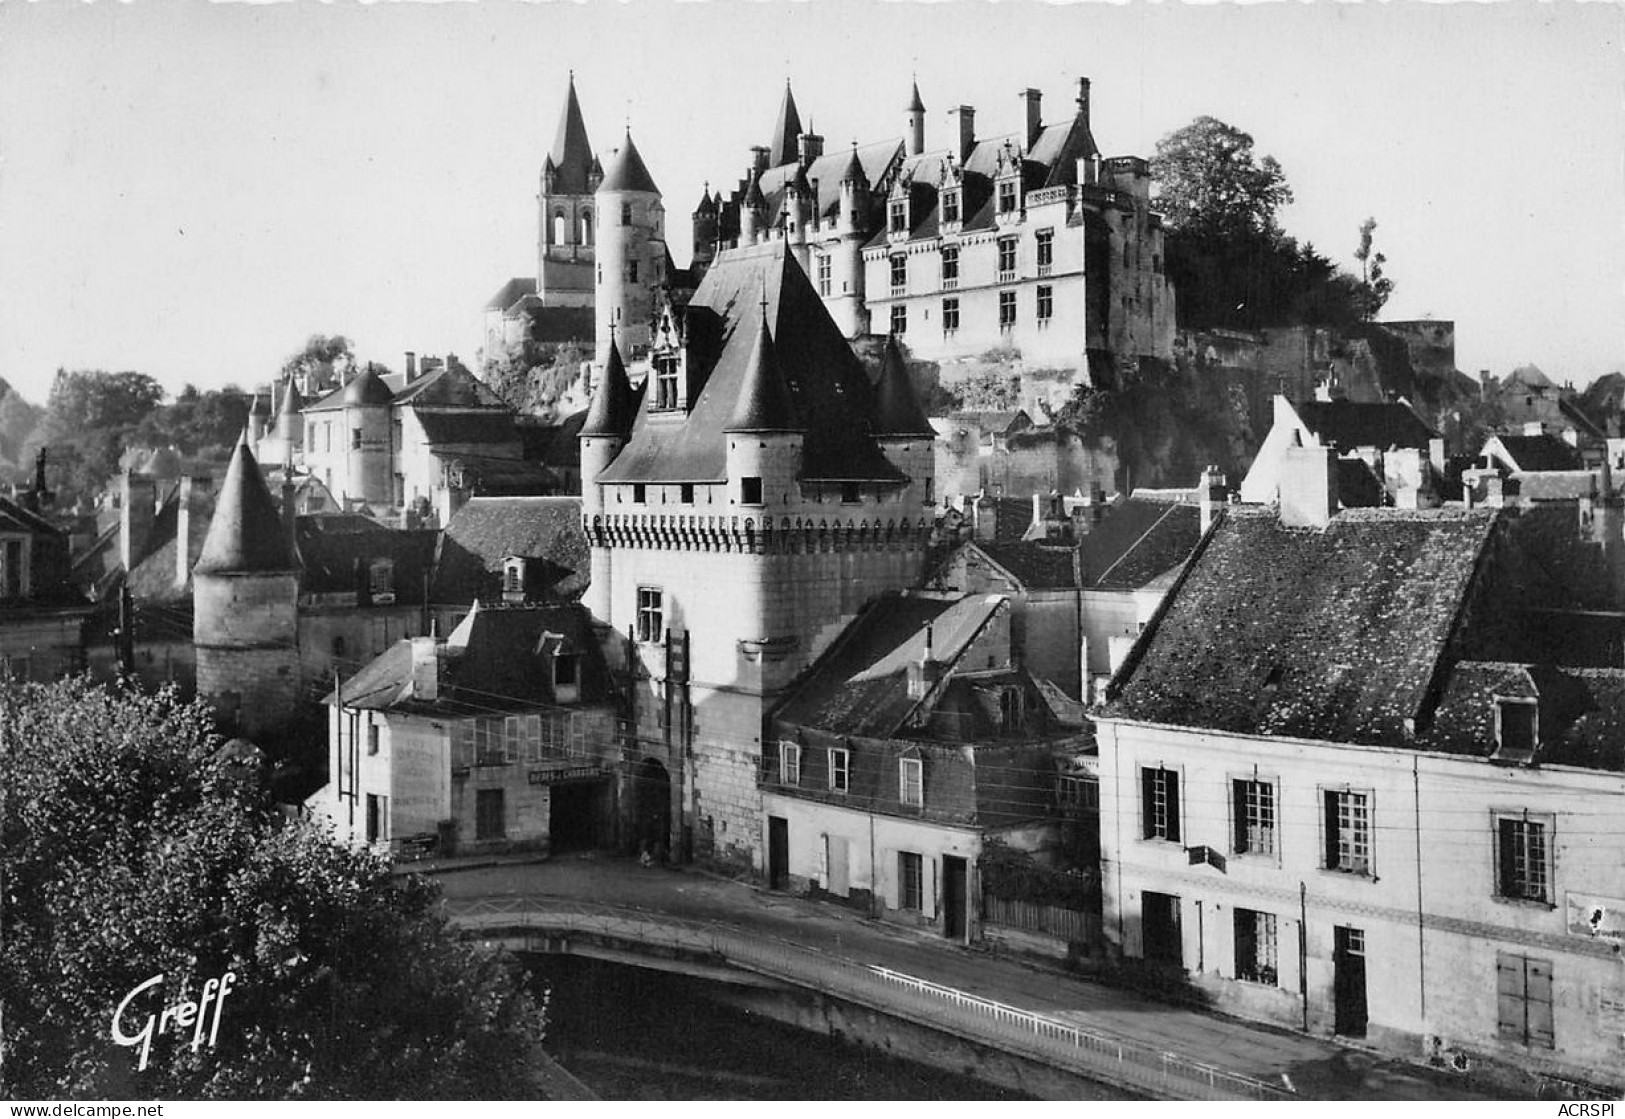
563 666
899 217
1007 197
1012 711
513 579
666 381
381 580
1517 728
950 206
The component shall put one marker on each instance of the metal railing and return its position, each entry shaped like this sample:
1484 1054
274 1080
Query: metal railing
1119 1062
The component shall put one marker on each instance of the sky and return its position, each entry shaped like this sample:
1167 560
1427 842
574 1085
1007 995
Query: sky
192 189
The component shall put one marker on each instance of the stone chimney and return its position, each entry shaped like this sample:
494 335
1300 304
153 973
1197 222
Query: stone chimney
1212 493
925 673
1083 101
1308 486
1501 493
190 497
967 130
1030 100
426 669
811 147
411 364
138 499
1436 456
984 517
1570 436
758 159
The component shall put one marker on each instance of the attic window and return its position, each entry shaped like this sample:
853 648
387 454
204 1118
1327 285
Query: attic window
566 670
950 206
1517 727
1007 197
666 382
1012 714
850 494
513 579
381 577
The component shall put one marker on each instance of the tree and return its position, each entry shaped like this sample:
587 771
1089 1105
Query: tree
197 423
18 420
323 360
533 376
1375 287
131 848
1208 181
89 419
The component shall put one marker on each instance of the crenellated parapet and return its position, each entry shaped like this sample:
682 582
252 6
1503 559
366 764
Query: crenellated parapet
749 535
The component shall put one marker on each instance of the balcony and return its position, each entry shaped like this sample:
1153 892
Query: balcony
1007 275
1045 269
950 283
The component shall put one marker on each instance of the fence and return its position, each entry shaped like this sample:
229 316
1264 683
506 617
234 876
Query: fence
1098 1056
1072 925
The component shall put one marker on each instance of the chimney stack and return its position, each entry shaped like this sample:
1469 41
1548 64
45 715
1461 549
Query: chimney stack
426 668
1308 486
812 147
1030 99
138 500
967 130
924 674
1213 493
758 159
1501 493
411 364
984 514
1083 101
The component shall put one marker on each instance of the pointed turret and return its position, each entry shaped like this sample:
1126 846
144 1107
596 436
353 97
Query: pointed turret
785 146
613 407
764 402
246 533
897 408
916 123
571 156
626 171
854 170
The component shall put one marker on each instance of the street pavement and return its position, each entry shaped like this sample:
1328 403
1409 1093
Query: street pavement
1316 1068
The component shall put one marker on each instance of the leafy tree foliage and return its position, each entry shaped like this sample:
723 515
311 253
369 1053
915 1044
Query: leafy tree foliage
1375 286
18 419
130 849
1230 262
330 356
89 419
197 423
1210 183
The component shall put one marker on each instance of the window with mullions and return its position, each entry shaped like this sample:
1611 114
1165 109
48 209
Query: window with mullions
950 266
1348 831
950 206
1007 310
1159 804
789 763
910 880
1046 303
899 319
651 614
840 772
1045 240
899 217
1007 197
950 315
899 271
1254 815
823 274
666 381
1007 256
911 782
1523 858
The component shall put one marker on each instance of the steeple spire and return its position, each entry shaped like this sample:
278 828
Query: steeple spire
611 411
785 146
764 401
897 409
627 171
571 156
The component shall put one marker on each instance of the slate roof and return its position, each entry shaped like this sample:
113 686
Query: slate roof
764 401
1582 712
1136 541
1539 452
613 407
494 661
487 530
827 171
1333 634
784 147
860 686
445 428
897 407
1346 425
556 445
626 170
450 386
366 389
1036 565
337 554
827 384
245 533
571 154
491 476
511 292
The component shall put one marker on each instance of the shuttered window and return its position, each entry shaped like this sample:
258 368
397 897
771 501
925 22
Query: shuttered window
1159 795
1523 987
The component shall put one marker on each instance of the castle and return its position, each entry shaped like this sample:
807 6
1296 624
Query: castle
1029 242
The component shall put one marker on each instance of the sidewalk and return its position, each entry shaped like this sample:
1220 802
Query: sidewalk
1316 1068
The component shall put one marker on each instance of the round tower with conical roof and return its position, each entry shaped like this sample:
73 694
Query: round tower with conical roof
605 432
366 422
631 251
245 596
902 428
845 301
914 122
